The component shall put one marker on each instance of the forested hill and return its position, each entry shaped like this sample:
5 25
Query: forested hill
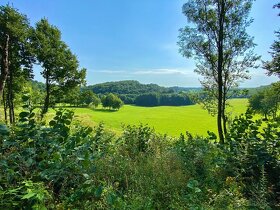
127 87
135 87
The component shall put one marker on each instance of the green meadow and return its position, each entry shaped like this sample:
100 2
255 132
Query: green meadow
170 120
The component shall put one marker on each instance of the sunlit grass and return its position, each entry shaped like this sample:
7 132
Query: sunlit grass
169 120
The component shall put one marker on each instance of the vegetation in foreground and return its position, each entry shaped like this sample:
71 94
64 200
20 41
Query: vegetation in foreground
67 166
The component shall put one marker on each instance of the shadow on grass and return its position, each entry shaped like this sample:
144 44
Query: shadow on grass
80 107
104 110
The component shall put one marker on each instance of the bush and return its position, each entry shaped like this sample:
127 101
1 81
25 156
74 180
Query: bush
253 149
111 101
59 156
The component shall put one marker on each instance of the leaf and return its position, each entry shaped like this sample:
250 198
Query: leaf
29 195
25 98
4 129
32 115
52 123
192 184
98 192
197 190
110 199
86 176
29 162
23 114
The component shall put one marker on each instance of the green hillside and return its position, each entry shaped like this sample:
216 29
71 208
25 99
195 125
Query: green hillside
126 87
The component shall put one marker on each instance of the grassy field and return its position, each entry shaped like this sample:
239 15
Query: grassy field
165 119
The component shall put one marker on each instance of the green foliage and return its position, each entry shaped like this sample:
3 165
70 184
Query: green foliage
111 101
132 92
87 98
126 87
181 99
16 57
28 194
253 156
135 139
149 99
60 157
273 66
266 102
60 65
160 99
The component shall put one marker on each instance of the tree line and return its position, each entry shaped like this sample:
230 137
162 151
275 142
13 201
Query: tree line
22 46
156 99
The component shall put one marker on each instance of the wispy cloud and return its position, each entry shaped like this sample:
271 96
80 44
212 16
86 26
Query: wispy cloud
110 71
162 72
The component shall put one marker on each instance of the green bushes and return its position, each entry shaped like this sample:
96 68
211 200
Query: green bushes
63 165
266 101
59 156
111 101
253 148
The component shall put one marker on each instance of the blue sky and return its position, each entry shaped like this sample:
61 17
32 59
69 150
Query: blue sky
129 39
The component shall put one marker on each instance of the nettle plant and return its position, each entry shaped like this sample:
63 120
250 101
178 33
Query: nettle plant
59 158
253 148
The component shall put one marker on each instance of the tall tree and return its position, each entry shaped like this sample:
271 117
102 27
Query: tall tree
16 57
273 66
60 66
221 46
14 39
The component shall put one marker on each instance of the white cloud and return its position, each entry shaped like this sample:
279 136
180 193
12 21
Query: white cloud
110 71
164 72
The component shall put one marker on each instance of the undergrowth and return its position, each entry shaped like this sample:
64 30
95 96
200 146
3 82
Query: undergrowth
64 165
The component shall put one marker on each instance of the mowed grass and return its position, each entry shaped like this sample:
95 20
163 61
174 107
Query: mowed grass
168 120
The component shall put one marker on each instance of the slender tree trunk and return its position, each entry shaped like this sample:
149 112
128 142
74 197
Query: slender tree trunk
221 7
5 64
11 98
5 106
10 111
224 117
47 99
224 120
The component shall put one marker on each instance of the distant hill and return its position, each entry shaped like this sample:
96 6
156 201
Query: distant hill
252 91
127 87
135 87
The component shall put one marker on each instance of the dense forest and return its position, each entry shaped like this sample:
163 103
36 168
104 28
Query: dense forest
133 92
50 160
